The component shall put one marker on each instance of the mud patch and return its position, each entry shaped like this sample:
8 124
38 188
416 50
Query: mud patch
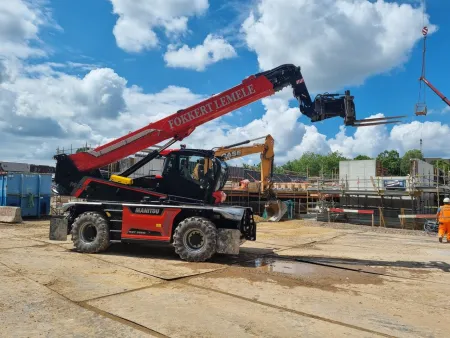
308 274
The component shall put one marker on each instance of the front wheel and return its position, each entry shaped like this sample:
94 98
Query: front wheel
90 232
195 239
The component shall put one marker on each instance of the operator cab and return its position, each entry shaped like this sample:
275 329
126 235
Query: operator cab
193 174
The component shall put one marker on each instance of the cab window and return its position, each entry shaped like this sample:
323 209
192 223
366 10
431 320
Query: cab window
191 167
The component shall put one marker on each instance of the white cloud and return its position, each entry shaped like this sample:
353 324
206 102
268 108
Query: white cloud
366 140
20 21
99 94
19 24
213 49
60 109
442 111
434 137
135 28
403 137
336 42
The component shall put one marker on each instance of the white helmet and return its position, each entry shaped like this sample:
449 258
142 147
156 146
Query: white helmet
446 200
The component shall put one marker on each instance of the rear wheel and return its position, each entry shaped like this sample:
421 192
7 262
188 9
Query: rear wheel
90 232
195 239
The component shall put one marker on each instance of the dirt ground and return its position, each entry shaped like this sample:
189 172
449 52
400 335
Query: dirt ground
300 278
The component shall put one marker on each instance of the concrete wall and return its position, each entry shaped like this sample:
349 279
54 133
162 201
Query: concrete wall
355 175
422 172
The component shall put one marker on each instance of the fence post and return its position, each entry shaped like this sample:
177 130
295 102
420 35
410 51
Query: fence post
373 219
328 215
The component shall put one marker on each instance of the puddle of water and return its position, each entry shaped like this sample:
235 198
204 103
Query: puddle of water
282 266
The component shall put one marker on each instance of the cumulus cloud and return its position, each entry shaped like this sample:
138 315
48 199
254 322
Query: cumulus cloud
100 93
135 27
213 49
403 137
20 22
336 42
95 108
366 140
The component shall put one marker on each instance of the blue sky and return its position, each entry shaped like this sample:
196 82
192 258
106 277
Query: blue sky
82 59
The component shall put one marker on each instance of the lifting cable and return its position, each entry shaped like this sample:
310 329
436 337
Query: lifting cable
421 107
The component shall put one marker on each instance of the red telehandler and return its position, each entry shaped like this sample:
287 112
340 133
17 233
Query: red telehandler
175 207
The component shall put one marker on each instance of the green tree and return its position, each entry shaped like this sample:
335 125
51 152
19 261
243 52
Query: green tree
330 162
443 165
309 163
406 160
390 160
315 164
363 157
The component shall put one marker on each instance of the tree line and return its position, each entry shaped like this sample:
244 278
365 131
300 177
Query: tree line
312 164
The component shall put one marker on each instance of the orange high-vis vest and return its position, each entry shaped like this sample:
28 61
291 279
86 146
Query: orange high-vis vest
444 214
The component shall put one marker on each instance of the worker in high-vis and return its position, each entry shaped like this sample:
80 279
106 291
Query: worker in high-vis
443 219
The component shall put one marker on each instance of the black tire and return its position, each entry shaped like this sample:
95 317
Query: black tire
188 236
90 232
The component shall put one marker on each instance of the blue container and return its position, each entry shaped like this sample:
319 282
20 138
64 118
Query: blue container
30 191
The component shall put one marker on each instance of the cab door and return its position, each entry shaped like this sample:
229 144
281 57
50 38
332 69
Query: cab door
183 175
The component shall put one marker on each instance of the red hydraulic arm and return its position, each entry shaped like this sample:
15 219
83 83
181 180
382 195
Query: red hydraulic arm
434 89
178 125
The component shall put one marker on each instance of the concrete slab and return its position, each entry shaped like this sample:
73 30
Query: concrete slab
194 312
366 238
295 237
160 262
28 309
266 248
37 230
408 288
10 242
76 276
370 310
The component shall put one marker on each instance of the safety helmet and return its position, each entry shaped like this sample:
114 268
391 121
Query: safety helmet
446 200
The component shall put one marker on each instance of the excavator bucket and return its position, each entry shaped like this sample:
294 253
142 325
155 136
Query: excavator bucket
275 210
376 121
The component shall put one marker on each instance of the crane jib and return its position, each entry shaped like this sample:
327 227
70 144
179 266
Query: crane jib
212 106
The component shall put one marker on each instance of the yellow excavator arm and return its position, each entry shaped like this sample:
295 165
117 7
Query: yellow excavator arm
266 150
274 207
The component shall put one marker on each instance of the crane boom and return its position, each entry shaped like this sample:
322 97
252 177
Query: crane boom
434 89
182 123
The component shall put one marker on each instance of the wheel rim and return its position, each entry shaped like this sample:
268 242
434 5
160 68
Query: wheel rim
194 239
88 232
